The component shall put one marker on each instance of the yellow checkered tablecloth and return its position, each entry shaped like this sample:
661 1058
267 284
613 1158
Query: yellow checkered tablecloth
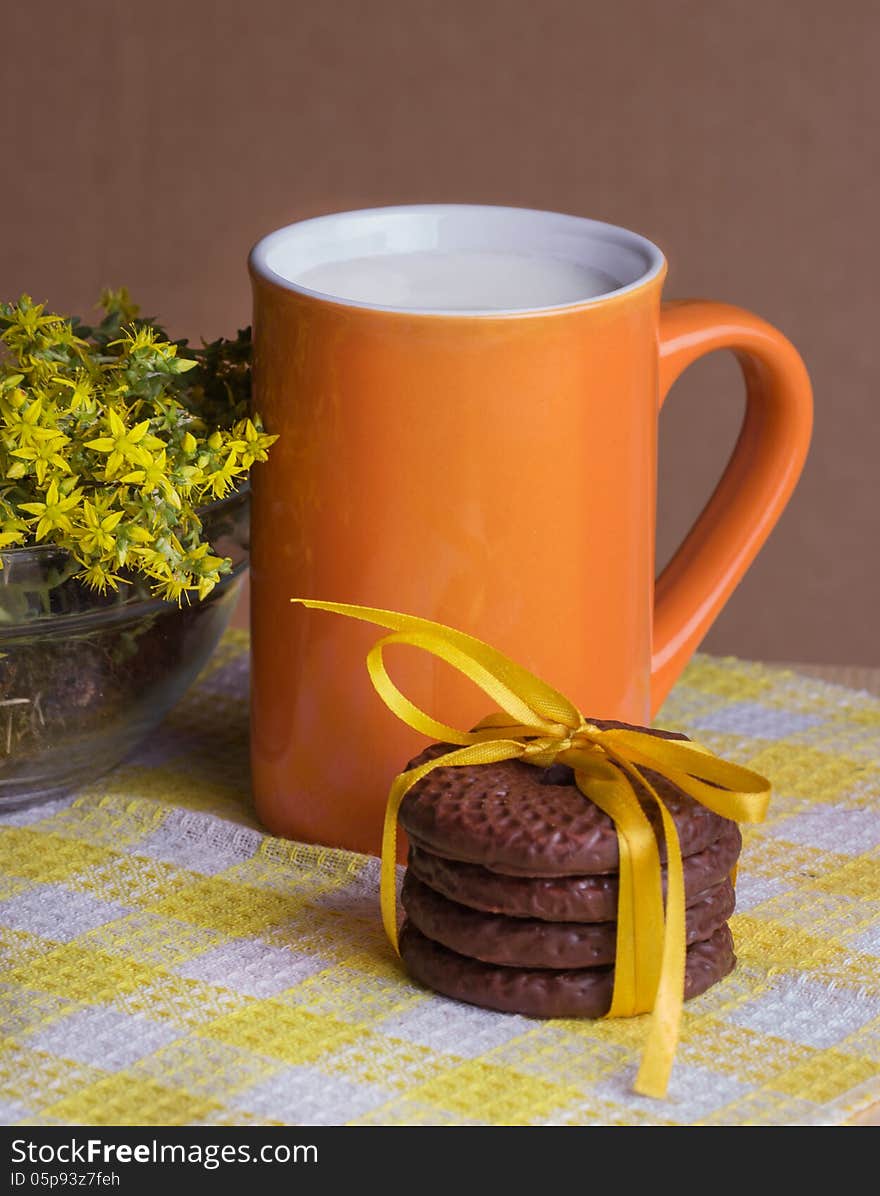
166 963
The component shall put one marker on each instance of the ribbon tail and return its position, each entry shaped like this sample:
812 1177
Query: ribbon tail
624 996
658 1054
638 957
388 867
666 998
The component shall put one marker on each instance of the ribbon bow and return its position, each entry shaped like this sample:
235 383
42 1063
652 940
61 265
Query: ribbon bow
539 725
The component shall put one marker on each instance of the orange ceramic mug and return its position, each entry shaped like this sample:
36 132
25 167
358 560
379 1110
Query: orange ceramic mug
488 463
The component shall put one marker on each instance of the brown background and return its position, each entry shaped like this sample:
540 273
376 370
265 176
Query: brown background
153 144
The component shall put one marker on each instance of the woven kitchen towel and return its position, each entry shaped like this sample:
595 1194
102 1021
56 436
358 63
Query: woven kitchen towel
166 963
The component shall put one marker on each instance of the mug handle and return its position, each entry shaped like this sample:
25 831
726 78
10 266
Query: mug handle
755 486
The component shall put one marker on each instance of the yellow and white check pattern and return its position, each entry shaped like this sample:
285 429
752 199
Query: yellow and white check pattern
166 963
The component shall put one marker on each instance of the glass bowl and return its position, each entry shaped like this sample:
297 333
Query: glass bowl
85 677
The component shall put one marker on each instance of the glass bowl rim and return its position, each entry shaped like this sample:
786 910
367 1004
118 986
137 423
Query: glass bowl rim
132 607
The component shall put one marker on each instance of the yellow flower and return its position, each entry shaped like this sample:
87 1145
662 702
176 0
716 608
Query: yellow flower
12 532
254 446
82 393
154 476
139 339
97 537
135 338
99 577
53 513
170 586
23 422
28 318
43 454
221 480
125 445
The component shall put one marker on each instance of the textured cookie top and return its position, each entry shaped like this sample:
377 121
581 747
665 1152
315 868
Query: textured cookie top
521 820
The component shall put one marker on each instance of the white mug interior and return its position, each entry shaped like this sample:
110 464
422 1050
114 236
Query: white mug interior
286 254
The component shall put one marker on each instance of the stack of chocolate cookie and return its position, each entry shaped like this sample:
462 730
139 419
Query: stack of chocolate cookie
511 888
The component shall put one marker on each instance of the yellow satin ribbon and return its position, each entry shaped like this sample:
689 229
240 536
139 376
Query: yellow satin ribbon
541 726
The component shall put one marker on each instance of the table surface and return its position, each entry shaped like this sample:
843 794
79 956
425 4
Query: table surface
855 678
204 972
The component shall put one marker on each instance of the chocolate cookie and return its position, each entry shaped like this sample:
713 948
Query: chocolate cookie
532 943
539 992
522 820
564 898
